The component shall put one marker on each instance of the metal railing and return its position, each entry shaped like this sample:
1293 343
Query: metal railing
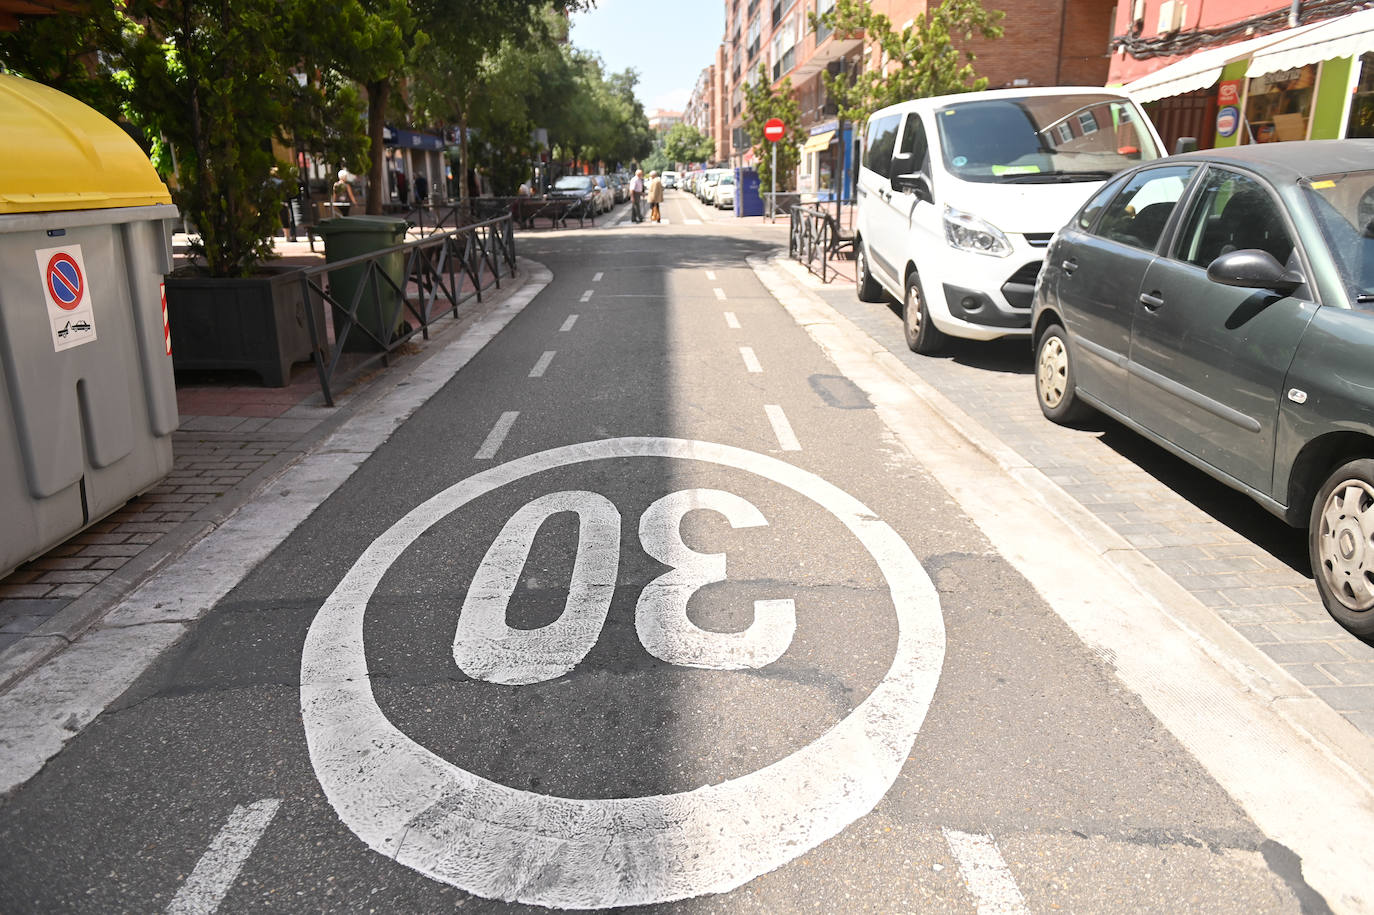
441 272
814 237
779 204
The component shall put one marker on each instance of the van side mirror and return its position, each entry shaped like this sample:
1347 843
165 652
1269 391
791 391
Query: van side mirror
1251 268
1185 145
916 183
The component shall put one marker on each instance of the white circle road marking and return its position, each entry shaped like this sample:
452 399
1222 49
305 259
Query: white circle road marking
499 842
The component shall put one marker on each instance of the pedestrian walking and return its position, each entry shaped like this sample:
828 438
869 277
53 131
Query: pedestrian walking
402 188
637 196
421 189
342 193
655 196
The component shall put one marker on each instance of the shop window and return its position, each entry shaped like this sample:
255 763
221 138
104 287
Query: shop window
1278 105
1361 123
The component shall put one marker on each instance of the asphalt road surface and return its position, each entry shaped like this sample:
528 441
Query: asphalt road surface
646 607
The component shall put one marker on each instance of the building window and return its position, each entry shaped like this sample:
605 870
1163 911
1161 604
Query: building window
1278 105
1088 121
1065 132
1361 122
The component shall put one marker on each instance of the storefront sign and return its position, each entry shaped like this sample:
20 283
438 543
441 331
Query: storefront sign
1228 119
1228 93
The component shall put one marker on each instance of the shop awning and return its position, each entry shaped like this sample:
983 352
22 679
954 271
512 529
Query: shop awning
1202 69
1345 36
819 141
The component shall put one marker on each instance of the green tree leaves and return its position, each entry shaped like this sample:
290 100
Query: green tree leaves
761 103
684 143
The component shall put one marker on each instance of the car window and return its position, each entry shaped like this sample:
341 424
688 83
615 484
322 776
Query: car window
914 140
1136 216
1088 215
882 140
1344 207
1233 212
1042 139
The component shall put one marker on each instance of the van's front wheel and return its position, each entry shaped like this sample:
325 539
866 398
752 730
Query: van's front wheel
922 336
868 288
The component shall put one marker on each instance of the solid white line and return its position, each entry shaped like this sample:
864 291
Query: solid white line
568 324
751 362
731 321
691 222
586 296
711 275
596 278
720 293
782 428
496 436
219 867
985 873
542 365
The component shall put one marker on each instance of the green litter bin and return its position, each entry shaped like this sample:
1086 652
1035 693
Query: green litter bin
381 307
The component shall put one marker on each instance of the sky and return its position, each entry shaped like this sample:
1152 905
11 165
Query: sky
667 42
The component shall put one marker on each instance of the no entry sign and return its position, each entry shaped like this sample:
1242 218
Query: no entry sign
773 130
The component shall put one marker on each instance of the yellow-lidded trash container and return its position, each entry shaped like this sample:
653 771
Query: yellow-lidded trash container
87 396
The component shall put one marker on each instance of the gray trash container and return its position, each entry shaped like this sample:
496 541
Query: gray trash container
380 307
87 397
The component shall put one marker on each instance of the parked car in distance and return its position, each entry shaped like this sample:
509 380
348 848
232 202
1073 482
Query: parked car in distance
670 179
708 184
725 192
579 187
958 196
605 193
1221 304
618 187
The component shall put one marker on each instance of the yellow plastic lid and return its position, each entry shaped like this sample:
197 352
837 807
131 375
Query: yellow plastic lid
61 154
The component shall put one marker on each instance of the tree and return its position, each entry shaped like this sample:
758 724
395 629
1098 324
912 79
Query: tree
684 143
761 103
927 61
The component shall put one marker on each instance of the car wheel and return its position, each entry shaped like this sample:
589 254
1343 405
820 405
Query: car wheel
921 333
868 288
1054 378
1340 542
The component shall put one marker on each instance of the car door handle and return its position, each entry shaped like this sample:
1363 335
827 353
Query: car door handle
1150 301
1068 265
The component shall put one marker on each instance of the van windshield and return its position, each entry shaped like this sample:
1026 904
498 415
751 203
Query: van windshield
1043 138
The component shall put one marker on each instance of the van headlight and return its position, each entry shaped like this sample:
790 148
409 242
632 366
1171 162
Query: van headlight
969 233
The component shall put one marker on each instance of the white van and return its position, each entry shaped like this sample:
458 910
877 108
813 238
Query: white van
959 195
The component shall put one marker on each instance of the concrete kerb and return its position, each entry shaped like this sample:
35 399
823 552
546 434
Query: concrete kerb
66 626
1257 672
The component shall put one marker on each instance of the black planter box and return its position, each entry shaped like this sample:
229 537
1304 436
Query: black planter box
256 324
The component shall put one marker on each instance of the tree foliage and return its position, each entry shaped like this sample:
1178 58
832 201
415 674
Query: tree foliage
684 143
927 61
761 103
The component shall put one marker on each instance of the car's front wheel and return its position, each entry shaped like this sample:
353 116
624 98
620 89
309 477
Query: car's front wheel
1054 378
868 288
922 336
1340 542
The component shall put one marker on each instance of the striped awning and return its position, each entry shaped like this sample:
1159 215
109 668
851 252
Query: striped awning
819 141
1202 69
1345 36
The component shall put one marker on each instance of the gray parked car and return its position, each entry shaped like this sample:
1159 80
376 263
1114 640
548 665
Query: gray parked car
1221 303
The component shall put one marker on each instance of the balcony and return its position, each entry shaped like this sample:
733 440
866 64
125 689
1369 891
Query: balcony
829 48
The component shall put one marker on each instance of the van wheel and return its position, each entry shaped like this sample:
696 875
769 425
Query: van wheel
1054 379
921 333
868 288
1340 542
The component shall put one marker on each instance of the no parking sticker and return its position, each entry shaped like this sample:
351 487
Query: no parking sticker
499 842
71 316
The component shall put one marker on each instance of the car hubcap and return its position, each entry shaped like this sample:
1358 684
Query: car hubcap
1346 549
863 268
1053 371
912 314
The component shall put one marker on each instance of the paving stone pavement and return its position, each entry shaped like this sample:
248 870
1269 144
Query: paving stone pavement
1246 565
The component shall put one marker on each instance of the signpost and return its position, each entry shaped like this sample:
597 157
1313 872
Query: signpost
773 130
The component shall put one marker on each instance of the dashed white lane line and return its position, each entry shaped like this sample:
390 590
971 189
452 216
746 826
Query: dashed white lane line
986 874
568 324
596 277
711 275
542 365
787 439
751 362
586 296
219 867
731 321
720 293
496 436
691 222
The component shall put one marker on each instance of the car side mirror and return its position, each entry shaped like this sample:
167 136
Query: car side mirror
1185 145
1251 268
917 184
